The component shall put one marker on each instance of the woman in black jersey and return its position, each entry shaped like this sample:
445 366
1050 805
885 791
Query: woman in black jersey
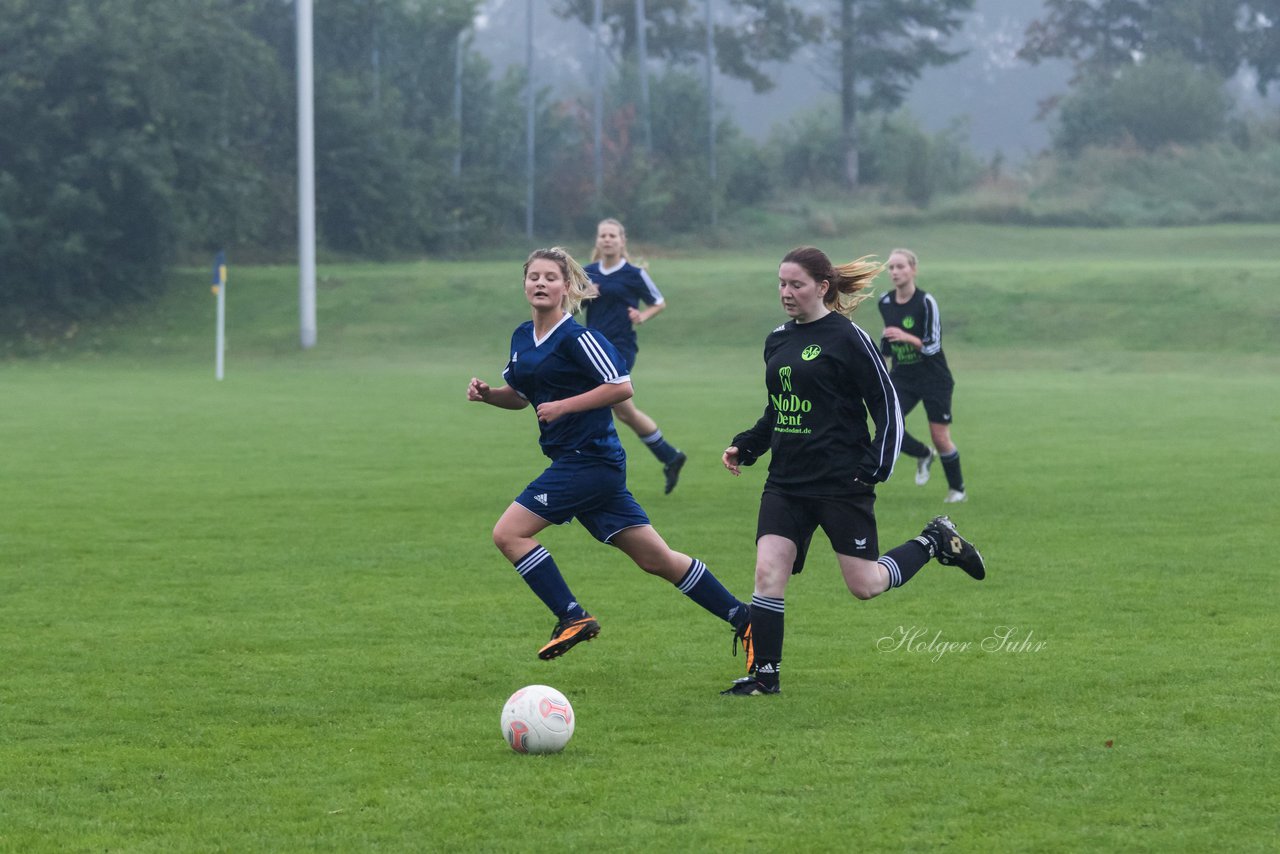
913 339
824 378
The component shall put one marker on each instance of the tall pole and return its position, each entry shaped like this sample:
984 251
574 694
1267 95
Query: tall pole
642 67
529 123
598 117
457 101
306 179
711 109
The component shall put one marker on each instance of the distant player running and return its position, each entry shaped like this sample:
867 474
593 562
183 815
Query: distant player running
824 379
625 297
913 340
572 375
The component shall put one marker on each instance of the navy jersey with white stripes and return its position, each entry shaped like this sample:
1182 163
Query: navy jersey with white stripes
824 379
569 361
622 287
919 316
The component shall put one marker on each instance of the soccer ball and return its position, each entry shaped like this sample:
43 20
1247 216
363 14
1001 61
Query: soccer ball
537 719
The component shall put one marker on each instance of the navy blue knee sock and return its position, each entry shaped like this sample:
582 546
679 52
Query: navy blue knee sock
539 571
660 447
705 589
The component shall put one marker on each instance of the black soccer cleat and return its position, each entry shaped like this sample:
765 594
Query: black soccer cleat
951 549
750 686
567 634
672 471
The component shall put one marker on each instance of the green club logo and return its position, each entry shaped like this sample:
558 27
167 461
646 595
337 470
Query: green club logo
810 353
908 322
785 374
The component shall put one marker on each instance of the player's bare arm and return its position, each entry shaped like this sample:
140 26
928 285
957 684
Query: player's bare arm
504 398
604 395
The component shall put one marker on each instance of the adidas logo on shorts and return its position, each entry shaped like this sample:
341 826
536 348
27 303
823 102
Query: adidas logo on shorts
541 499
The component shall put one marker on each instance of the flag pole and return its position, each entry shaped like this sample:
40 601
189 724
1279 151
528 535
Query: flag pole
220 291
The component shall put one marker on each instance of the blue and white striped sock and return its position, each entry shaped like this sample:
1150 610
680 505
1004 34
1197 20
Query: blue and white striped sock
538 569
705 589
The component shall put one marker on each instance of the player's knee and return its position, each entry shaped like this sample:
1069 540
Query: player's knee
863 589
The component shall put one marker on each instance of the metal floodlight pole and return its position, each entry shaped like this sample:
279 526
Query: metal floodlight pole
711 109
306 179
642 68
457 99
529 123
598 117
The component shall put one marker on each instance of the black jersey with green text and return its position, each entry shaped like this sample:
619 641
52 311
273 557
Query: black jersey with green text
824 380
919 316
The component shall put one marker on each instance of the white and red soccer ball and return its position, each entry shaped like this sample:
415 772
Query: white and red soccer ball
537 719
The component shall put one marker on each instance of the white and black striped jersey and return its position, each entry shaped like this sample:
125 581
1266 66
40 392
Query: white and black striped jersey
824 380
569 361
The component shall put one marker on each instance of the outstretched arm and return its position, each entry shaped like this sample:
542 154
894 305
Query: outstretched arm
503 398
600 397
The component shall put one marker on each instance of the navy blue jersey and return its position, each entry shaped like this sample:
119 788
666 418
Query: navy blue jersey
824 379
919 316
622 287
569 361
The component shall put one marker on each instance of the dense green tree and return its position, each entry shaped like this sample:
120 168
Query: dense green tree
883 48
1101 36
1165 100
748 33
128 126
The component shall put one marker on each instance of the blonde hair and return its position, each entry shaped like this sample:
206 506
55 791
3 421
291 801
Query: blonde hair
622 232
908 254
846 282
576 279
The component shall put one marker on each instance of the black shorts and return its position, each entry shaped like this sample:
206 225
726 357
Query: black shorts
849 521
936 397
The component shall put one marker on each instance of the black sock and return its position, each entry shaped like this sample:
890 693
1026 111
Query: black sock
913 447
951 465
906 560
766 631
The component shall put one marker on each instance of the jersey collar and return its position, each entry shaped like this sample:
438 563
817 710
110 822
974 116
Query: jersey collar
622 262
537 342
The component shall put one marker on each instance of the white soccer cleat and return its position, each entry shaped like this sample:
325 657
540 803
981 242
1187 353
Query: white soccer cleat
954 496
923 464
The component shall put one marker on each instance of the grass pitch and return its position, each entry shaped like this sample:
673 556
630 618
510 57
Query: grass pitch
265 614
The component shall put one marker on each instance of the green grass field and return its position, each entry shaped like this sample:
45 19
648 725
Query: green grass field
266 615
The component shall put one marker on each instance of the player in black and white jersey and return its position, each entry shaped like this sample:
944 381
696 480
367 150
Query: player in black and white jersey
913 341
626 297
572 376
825 379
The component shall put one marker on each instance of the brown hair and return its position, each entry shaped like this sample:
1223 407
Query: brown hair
577 280
845 282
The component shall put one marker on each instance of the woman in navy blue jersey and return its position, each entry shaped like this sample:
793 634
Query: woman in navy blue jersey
913 340
624 297
572 376
824 378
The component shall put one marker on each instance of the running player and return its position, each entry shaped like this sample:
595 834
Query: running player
824 377
625 297
913 340
572 376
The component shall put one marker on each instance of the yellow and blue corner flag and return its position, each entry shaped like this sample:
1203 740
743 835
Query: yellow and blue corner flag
219 271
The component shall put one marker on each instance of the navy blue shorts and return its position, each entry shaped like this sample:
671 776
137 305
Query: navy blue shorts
592 490
849 521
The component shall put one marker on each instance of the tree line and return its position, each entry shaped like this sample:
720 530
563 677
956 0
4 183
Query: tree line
134 132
